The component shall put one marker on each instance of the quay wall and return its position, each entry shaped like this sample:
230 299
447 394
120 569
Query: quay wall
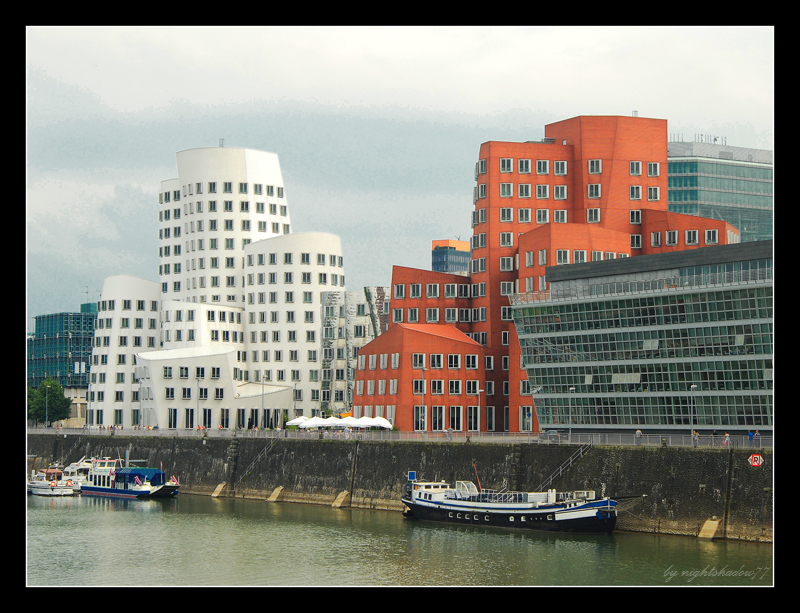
684 487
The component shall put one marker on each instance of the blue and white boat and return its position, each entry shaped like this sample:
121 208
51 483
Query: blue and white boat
107 477
577 511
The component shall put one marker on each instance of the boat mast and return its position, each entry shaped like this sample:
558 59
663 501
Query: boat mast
477 477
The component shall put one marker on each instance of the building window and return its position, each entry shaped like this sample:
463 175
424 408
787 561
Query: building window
636 169
524 166
691 237
506 164
636 192
636 241
542 167
653 169
542 192
560 168
593 215
594 190
506 239
655 239
595 167
562 256
542 216
524 190
672 238
712 237
506 190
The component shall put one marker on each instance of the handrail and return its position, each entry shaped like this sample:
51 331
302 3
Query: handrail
566 464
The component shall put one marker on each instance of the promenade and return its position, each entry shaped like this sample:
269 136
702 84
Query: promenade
705 441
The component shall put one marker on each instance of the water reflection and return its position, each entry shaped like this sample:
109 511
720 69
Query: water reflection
198 540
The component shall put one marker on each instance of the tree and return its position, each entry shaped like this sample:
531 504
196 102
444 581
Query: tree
48 404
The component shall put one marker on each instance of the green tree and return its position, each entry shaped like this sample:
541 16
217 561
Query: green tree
48 399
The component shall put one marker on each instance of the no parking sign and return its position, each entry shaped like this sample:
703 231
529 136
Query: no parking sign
756 460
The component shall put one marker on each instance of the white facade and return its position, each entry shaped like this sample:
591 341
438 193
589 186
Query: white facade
284 281
128 323
199 387
223 199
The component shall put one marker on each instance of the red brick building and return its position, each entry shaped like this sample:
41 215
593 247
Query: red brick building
595 188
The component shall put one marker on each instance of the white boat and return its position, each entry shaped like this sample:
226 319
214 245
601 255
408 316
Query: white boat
50 482
578 511
108 477
78 473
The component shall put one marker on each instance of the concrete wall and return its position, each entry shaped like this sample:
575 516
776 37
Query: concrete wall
684 487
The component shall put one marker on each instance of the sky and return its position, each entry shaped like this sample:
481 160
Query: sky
377 129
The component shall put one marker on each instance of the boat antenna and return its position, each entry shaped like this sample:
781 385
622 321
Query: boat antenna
477 477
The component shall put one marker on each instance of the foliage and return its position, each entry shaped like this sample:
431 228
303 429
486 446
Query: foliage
50 402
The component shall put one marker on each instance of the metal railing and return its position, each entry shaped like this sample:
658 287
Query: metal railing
738 441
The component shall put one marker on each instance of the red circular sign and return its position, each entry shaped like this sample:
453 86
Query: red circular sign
756 460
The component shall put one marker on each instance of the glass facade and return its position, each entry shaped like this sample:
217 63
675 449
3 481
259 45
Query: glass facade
450 260
734 191
61 347
632 355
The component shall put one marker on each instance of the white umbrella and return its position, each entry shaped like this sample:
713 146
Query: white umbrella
314 422
297 421
382 422
364 422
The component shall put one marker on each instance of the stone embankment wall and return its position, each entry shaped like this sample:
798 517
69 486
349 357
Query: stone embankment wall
683 487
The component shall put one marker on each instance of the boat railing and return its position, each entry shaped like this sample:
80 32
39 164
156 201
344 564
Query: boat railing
489 496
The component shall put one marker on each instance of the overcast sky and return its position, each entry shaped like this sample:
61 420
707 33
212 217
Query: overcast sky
377 128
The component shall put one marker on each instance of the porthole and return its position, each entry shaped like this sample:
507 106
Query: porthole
511 518
466 516
458 515
486 518
450 514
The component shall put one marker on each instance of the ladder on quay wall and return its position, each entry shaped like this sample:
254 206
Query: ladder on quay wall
566 465
260 455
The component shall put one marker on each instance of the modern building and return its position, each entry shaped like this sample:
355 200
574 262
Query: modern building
679 341
249 325
451 256
128 324
594 189
444 368
61 348
718 181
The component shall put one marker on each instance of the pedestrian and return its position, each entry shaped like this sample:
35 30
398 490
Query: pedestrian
758 439
750 437
713 437
638 437
727 440
695 439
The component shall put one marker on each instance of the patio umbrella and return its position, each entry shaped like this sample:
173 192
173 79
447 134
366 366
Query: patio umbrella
297 421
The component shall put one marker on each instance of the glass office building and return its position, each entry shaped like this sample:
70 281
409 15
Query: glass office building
661 342
733 184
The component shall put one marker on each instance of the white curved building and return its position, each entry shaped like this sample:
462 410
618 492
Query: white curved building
249 325
223 199
285 278
128 323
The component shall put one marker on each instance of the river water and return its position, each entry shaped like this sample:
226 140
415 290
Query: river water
203 541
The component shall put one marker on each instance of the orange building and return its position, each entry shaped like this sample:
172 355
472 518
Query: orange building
422 377
595 188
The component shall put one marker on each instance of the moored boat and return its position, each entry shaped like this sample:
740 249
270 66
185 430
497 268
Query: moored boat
78 473
108 478
50 482
576 511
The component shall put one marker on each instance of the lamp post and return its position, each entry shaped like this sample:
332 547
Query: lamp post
571 392
478 416
691 413
47 387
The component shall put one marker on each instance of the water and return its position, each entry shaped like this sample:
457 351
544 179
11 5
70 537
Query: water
203 541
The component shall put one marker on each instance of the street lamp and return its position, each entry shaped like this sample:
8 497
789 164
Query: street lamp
691 412
478 416
47 387
571 391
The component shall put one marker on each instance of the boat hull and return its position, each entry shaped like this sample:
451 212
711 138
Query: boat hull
597 518
47 490
165 491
